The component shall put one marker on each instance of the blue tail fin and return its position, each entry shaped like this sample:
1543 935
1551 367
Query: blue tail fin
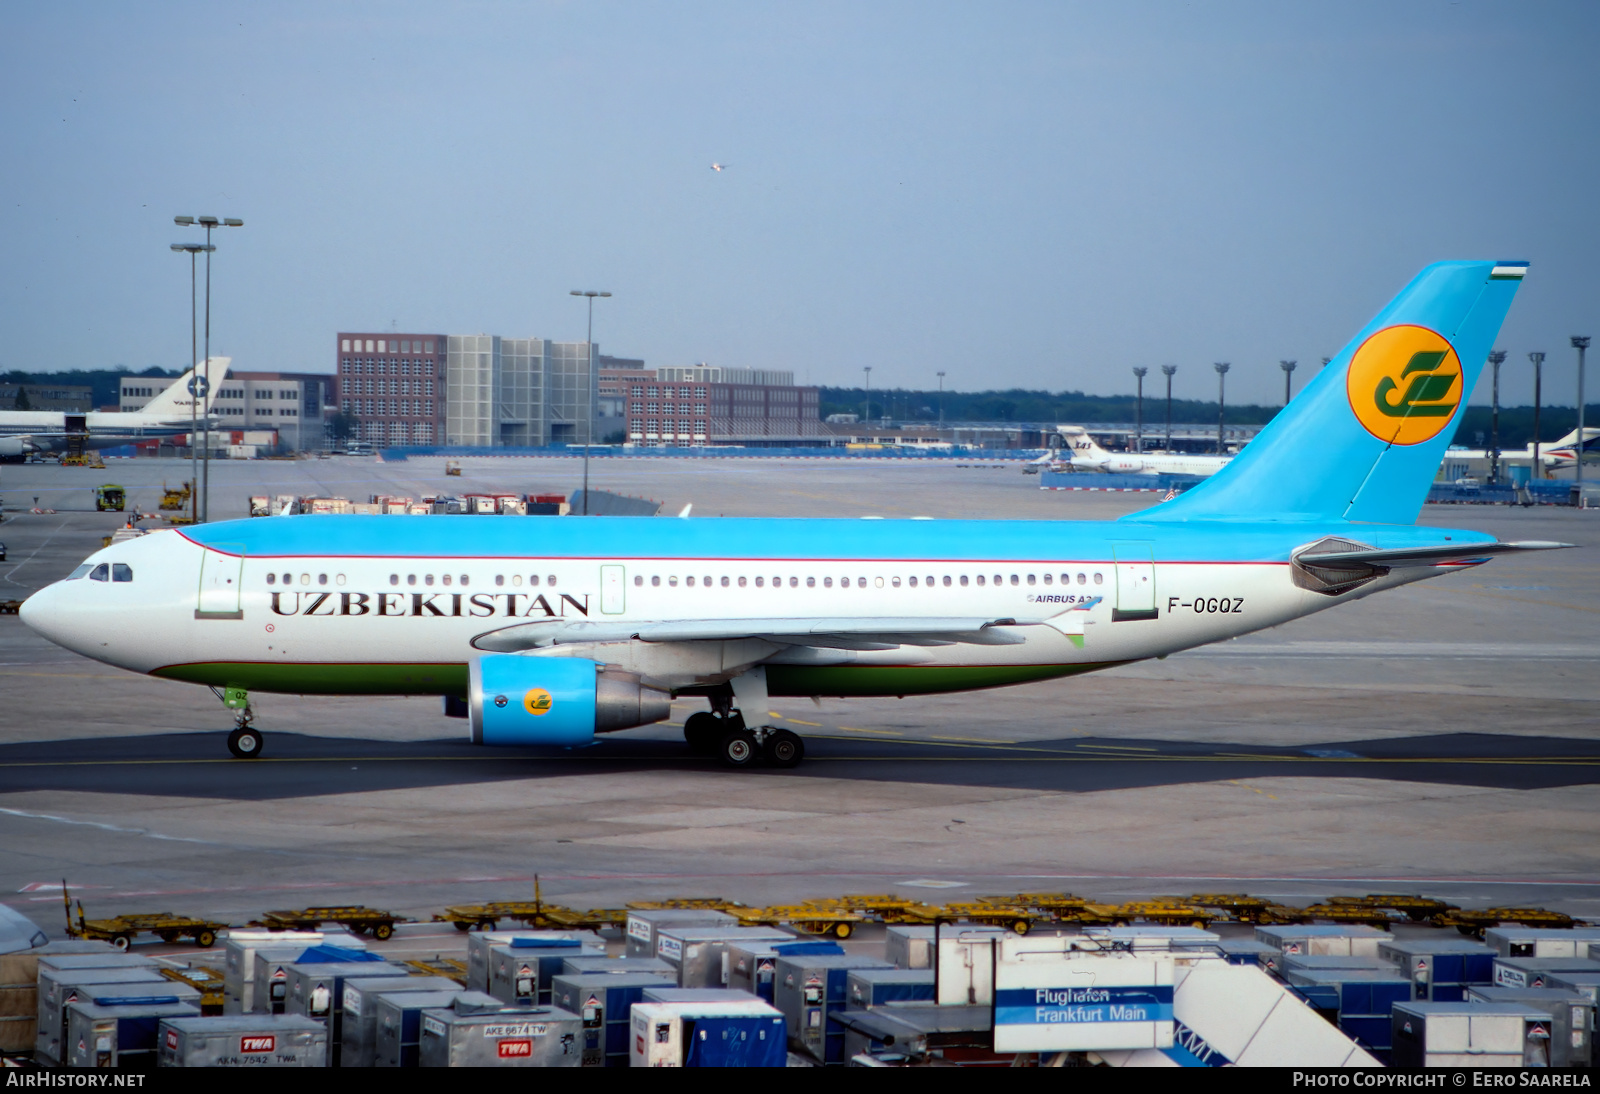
1364 439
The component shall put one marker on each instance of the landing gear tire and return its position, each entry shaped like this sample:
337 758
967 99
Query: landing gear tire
785 749
739 749
703 731
245 743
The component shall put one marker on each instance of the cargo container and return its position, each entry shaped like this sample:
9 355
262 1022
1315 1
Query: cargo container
520 971
1571 1018
19 988
239 962
358 1036
479 943
807 988
706 1033
601 1000
1538 942
699 955
1440 969
521 1037
398 1029
909 947
1534 972
573 966
965 964
1469 1035
1365 996
751 965
58 987
1235 951
698 995
1151 938
1332 939
242 1040
271 992
316 991
919 1031
645 922
1584 983
122 1034
875 987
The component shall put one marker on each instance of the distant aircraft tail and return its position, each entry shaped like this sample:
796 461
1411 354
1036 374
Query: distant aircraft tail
1077 442
1364 439
203 380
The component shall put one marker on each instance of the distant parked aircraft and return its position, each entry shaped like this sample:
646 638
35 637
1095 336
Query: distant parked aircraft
25 432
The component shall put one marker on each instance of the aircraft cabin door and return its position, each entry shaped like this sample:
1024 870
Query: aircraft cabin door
613 590
1136 582
221 576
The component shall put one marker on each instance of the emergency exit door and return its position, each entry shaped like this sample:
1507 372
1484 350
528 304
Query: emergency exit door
613 590
221 576
1136 582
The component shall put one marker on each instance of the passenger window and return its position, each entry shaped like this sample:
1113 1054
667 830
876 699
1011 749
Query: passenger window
551 581
463 579
895 582
322 579
638 579
811 583
706 581
794 583
929 581
672 580
121 571
1066 579
339 579
288 579
1047 579
445 578
499 579
411 579
86 567
947 581
516 581
724 582
998 580
1016 580
655 579
913 582
980 579
533 579
759 581
1031 579
1082 580
827 583
1098 579
689 581
305 579
741 583
861 583
101 572
963 579
272 579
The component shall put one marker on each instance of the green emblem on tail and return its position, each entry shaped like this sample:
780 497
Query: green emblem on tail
1421 396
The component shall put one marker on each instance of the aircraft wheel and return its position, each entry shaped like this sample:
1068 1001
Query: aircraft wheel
245 743
785 749
702 730
738 749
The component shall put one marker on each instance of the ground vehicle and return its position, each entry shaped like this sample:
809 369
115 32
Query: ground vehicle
109 498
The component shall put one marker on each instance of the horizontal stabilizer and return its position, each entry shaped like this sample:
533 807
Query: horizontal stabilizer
1419 556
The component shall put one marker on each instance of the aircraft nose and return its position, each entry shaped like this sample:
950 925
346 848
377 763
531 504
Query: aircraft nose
48 613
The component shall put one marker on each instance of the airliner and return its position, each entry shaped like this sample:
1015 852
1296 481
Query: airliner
548 632
1553 455
26 432
1080 452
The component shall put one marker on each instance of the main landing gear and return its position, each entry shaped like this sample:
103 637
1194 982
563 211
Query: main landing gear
721 731
244 742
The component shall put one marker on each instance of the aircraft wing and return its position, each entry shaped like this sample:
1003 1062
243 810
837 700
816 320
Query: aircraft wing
1420 556
845 632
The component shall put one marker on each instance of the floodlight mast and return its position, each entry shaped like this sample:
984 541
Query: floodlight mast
588 429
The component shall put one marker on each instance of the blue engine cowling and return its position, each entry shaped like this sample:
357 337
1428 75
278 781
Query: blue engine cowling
518 700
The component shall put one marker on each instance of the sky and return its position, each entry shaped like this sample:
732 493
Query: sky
1037 195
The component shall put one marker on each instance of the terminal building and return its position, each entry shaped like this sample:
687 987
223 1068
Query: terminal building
697 405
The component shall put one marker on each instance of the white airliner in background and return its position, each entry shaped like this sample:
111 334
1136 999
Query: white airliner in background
25 432
1079 452
547 631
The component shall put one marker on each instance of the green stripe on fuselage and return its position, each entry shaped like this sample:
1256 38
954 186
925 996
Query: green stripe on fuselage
451 679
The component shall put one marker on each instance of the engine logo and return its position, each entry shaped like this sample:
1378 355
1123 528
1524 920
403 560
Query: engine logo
538 701
1404 384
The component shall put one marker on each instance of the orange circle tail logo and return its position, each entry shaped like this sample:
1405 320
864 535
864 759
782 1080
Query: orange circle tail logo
537 701
1404 384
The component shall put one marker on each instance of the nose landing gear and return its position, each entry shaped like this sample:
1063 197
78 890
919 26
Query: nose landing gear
244 742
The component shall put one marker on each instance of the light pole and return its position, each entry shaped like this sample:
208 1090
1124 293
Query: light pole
1580 342
1496 359
1288 373
1138 419
1222 368
1538 369
196 389
588 430
208 223
1167 371
941 400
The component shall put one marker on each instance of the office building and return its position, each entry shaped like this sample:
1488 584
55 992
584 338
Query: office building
393 385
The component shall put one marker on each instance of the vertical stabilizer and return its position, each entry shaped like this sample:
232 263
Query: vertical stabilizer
1364 439
203 380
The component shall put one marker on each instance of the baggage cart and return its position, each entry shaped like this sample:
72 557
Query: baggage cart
356 917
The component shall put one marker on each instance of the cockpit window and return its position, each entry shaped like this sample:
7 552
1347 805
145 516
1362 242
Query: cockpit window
101 572
121 571
79 572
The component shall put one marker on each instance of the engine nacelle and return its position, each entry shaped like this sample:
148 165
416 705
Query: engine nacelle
517 700
14 448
